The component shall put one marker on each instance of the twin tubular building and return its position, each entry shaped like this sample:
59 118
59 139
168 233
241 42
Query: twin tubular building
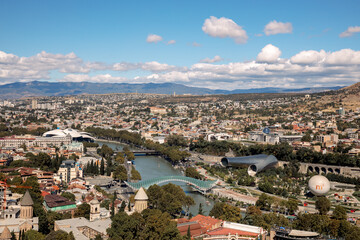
255 163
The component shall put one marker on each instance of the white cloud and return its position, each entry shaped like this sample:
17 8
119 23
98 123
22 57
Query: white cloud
125 66
343 57
157 67
350 31
268 70
195 44
153 38
223 28
269 54
102 78
275 27
211 60
308 57
171 42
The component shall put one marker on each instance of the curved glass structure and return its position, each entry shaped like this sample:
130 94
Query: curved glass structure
255 163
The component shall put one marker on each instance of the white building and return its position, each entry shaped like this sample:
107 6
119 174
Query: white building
68 171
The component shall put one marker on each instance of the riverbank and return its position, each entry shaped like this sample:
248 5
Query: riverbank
157 166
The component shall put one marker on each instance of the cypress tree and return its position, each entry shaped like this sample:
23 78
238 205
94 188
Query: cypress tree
102 167
123 206
96 168
113 204
91 170
188 233
201 212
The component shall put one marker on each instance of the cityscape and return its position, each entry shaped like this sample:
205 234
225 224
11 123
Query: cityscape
179 120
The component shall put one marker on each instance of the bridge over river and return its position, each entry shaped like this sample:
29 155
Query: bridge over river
199 185
142 152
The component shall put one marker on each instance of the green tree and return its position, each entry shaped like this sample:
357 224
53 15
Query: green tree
34 235
102 167
292 205
83 211
188 234
322 204
135 175
226 212
60 235
68 195
113 204
201 211
120 173
191 172
264 202
123 206
168 198
52 217
98 237
339 213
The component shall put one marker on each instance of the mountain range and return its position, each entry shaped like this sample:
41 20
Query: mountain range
39 88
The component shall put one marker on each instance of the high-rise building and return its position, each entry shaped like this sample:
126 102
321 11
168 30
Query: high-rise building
69 170
34 104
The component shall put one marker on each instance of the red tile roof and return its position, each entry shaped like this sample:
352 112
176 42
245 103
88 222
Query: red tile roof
195 229
227 231
206 221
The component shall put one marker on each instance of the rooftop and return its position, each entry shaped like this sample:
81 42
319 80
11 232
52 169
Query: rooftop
57 201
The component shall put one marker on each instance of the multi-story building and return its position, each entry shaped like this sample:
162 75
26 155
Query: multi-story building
31 141
69 170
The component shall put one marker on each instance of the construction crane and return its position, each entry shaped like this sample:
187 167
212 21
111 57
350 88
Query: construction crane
4 185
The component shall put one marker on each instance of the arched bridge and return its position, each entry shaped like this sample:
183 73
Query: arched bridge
199 185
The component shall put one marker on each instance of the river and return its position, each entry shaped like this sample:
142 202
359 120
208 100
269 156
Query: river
155 166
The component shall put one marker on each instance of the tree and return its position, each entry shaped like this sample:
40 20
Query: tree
188 234
60 235
69 196
120 173
323 205
226 212
123 206
191 172
135 175
168 198
98 237
264 202
83 211
339 213
33 235
266 187
292 205
113 204
52 217
201 212
102 167
176 140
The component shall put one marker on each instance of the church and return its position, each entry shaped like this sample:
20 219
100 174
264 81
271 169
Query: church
18 220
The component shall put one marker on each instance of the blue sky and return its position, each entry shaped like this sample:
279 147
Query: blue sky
84 40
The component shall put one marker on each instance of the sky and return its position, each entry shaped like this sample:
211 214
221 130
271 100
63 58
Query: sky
214 44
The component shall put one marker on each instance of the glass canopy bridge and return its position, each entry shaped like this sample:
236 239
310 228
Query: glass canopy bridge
199 185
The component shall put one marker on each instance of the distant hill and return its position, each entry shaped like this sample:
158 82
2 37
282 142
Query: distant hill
349 97
36 88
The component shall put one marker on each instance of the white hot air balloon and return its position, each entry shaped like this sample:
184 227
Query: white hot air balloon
319 185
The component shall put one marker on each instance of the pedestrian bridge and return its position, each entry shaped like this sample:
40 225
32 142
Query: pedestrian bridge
199 185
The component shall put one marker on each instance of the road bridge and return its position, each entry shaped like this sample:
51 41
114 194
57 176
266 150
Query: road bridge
142 152
199 185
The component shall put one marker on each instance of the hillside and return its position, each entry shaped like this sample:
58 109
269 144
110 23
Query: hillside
37 88
348 97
